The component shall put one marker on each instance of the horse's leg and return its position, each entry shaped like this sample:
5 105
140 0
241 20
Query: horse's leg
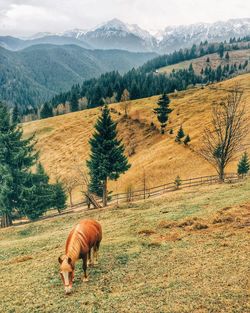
95 252
89 262
84 267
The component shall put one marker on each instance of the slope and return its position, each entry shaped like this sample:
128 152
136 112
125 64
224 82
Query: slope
235 57
63 140
35 74
185 252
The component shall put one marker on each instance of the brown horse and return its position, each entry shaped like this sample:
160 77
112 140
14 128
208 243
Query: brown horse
82 238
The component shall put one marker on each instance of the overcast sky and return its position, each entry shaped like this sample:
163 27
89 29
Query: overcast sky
27 17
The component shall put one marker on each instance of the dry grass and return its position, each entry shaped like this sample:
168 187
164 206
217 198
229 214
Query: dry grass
63 140
238 56
144 265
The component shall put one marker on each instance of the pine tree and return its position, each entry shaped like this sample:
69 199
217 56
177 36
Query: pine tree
187 140
74 103
46 111
227 56
221 50
59 197
17 156
162 111
180 135
37 194
243 165
107 159
15 115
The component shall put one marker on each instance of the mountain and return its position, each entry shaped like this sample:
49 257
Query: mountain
35 74
15 44
117 35
176 37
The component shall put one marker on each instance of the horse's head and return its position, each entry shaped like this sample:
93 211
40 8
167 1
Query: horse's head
66 272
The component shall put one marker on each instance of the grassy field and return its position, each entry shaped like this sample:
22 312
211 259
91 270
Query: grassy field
238 56
185 252
63 140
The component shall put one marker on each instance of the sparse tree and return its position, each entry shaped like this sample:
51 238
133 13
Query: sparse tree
177 182
223 140
107 159
125 101
227 56
162 111
221 50
187 140
70 183
244 165
180 135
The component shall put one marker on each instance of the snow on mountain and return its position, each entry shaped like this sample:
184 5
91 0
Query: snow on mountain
116 34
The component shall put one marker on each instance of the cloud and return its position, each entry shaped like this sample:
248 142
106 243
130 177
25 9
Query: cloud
30 16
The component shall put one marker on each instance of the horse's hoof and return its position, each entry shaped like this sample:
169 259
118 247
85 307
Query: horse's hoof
85 279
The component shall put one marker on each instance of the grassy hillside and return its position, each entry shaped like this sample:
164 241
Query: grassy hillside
237 56
35 74
186 252
63 140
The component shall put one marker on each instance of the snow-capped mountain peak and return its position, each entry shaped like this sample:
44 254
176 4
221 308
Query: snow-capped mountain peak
115 34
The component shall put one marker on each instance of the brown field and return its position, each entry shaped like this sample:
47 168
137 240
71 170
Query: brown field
63 140
237 56
186 252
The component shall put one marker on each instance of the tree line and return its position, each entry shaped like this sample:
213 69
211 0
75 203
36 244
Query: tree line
144 81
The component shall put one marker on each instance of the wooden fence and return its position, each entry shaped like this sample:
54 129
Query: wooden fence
146 193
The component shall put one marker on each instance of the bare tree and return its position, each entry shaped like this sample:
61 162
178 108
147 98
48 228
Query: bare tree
125 101
223 141
70 183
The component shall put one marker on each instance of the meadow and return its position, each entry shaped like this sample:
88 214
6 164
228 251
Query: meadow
64 148
187 251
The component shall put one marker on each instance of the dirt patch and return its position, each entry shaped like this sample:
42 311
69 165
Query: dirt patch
20 259
227 218
146 232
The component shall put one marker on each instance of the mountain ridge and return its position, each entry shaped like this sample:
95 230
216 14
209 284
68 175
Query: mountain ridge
115 34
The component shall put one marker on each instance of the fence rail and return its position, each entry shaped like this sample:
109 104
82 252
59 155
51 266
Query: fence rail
146 193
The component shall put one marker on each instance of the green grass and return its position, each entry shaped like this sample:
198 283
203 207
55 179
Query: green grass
142 266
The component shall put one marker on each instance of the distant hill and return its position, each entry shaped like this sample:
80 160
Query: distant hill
64 138
15 44
235 57
35 74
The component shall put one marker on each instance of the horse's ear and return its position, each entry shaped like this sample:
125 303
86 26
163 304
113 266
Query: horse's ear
69 260
60 260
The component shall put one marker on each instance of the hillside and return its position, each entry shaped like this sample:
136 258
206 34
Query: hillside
235 57
35 74
63 140
182 253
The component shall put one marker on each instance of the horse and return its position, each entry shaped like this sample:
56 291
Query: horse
87 234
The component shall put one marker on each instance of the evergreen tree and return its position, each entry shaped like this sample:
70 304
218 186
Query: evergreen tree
227 56
107 159
15 115
37 194
180 135
17 156
221 50
162 111
59 197
74 103
243 165
46 111
187 140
